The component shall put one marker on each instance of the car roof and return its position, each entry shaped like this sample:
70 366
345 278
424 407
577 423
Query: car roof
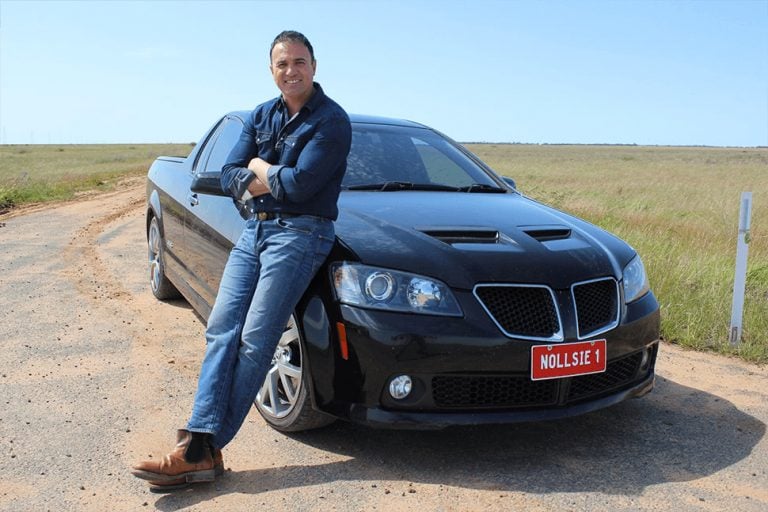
354 118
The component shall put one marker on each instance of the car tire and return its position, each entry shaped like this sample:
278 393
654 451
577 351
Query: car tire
283 400
161 286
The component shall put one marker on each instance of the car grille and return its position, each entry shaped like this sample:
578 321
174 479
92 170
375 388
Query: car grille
491 391
509 391
522 311
597 306
617 374
531 312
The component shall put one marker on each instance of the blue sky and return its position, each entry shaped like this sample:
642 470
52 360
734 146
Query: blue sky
618 72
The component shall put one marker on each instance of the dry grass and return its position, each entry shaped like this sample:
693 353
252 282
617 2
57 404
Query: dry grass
678 207
37 173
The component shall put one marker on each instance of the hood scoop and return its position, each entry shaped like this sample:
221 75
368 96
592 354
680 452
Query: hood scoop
547 233
462 235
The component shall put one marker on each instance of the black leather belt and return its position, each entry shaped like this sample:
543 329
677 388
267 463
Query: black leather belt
274 215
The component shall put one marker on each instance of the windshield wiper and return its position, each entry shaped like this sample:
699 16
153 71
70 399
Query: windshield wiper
389 186
482 187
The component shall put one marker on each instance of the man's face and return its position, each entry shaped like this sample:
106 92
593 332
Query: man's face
293 70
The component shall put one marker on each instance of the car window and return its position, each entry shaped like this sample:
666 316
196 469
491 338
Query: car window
217 150
230 134
383 153
439 166
205 149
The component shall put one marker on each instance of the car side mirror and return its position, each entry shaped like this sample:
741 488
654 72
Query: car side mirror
207 183
509 181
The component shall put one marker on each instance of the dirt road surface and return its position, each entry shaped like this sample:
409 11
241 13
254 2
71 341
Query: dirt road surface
96 374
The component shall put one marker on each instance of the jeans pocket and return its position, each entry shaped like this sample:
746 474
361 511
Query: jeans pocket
294 225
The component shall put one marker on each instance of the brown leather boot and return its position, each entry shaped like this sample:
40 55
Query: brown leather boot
180 483
190 462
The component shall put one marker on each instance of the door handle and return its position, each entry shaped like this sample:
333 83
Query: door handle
193 200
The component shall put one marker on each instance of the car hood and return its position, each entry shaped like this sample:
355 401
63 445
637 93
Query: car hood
468 238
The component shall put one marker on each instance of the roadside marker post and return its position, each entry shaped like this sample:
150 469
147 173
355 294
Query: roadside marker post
740 279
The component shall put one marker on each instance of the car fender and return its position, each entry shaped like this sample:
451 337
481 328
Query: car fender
154 209
317 314
319 359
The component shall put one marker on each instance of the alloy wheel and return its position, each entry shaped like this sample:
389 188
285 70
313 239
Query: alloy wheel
280 393
155 265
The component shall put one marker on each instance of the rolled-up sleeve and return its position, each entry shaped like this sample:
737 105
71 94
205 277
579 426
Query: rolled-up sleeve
273 180
319 160
235 175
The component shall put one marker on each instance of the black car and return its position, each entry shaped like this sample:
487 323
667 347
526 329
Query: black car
449 297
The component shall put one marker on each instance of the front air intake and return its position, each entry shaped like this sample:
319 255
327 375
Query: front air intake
548 234
597 306
464 236
522 311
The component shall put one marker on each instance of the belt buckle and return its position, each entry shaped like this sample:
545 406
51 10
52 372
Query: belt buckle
262 215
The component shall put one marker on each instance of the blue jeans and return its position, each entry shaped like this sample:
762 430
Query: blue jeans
266 274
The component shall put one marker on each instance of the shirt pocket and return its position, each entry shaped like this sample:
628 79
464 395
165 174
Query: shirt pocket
262 137
289 149
266 150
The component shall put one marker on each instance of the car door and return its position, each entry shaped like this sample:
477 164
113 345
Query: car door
212 223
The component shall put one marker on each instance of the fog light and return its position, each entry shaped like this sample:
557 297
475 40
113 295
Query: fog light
400 387
646 359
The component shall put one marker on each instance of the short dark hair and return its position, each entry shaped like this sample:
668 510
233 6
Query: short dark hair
291 36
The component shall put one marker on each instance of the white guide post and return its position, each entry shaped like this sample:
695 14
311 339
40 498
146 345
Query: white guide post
740 280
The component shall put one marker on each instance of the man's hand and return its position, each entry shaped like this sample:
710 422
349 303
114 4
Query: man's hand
260 167
257 188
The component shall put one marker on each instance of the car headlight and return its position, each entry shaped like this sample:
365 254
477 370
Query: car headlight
392 290
635 280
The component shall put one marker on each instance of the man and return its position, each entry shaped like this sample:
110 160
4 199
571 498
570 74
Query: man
285 173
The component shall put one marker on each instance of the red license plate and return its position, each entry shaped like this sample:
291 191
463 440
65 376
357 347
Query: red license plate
567 360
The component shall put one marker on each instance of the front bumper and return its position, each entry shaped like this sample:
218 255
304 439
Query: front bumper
383 418
464 370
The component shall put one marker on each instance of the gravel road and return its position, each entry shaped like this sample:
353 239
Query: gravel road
96 374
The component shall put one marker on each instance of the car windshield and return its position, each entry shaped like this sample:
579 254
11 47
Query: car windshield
392 158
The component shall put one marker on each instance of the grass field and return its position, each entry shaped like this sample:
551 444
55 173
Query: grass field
37 173
677 206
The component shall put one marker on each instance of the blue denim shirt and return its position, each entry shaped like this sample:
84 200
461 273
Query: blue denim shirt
308 154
